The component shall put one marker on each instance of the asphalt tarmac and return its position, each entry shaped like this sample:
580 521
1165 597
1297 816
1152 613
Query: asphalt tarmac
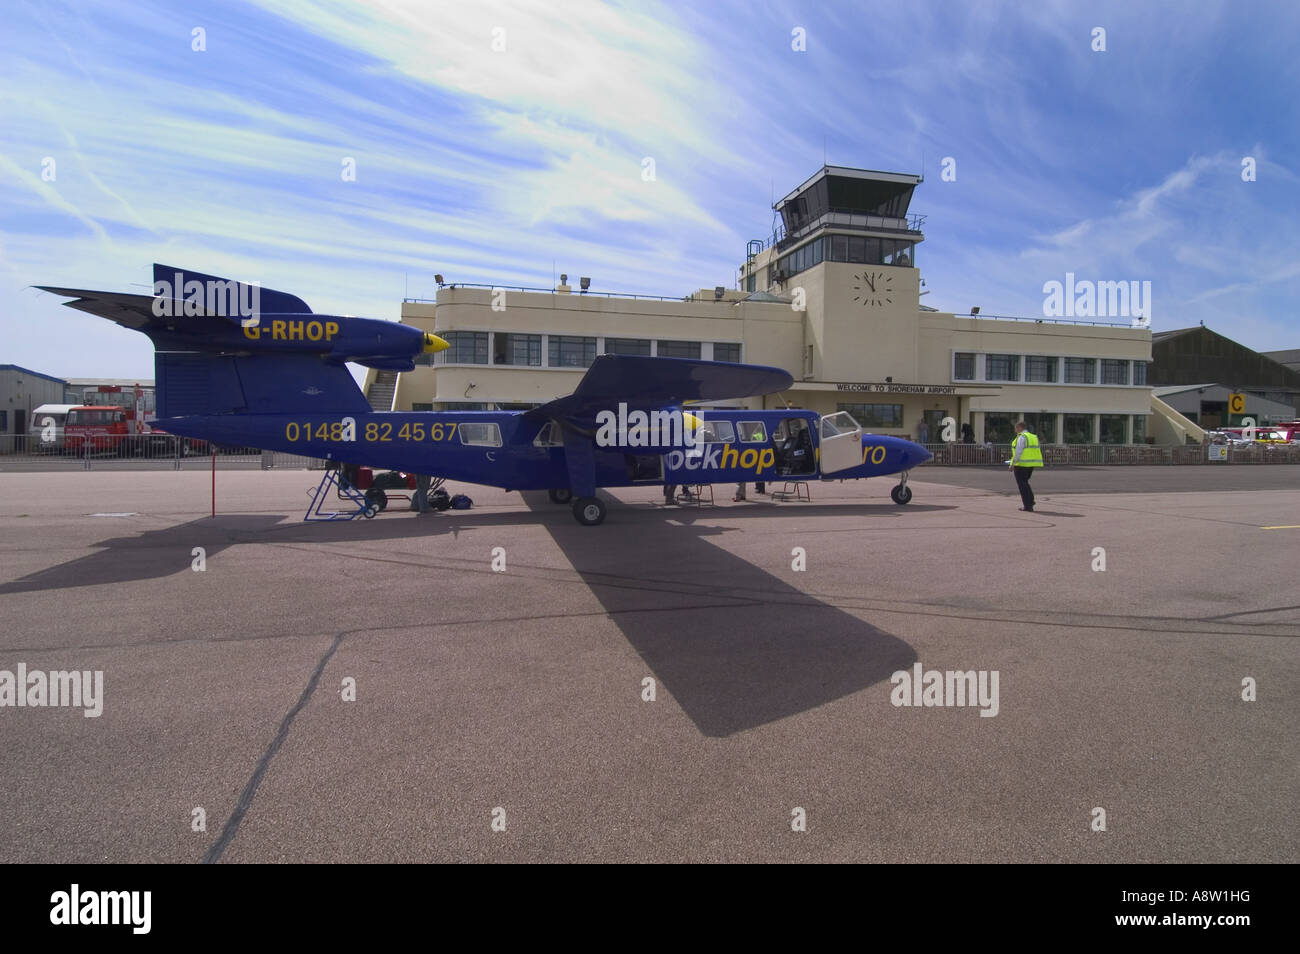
665 687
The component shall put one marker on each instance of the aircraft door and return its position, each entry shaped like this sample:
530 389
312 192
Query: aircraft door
841 440
793 443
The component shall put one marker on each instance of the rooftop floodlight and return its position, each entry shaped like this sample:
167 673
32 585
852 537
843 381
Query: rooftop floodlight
585 282
564 279
975 310
438 279
718 292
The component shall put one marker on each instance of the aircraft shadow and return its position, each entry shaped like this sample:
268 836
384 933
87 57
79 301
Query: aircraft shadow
152 554
735 645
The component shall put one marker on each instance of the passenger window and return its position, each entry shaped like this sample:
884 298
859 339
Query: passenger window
549 436
753 432
480 434
717 432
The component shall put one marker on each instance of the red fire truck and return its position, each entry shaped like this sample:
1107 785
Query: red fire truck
115 420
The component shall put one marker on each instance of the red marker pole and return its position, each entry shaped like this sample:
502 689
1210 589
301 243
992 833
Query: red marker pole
214 481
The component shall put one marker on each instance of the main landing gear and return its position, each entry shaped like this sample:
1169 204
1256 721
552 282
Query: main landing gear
902 493
589 511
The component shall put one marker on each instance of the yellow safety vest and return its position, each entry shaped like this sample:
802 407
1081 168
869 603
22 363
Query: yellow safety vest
1031 456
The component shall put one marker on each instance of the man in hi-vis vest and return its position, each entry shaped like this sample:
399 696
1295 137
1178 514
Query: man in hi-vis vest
1025 456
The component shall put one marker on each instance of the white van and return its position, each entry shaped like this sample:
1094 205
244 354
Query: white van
47 427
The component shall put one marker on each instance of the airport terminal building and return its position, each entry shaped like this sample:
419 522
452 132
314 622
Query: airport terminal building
834 297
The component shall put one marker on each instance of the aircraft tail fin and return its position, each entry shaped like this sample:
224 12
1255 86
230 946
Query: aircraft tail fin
204 384
225 347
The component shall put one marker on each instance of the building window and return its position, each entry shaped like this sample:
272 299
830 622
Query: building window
1040 369
421 405
459 406
4 422
638 346
1139 426
1043 427
999 428
1140 373
570 351
517 349
1078 428
1002 367
1080 370
679 349
963 366
1114 372
725 351
467 347
874 415
1112 428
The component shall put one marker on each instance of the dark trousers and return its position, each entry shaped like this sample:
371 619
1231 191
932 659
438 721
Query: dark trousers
1022 481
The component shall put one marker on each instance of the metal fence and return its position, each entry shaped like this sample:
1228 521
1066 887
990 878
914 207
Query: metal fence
140 451
165 452
1061 455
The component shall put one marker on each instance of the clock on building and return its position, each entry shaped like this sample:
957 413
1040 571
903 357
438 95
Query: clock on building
874 289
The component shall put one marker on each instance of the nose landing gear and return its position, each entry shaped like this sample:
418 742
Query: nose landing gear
902 493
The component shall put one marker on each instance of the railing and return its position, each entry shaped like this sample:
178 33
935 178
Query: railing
140 452
547 291
1076 455
1052 321
846 219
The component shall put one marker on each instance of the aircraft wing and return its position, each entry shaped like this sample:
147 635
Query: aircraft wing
644 383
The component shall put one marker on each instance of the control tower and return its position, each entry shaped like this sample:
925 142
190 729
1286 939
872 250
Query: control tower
844 249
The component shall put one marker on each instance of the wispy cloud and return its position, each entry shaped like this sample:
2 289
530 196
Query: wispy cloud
492 139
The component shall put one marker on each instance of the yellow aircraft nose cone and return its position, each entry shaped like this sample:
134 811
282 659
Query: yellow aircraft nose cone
433 344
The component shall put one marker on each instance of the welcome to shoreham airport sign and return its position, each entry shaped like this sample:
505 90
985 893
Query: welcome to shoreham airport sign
901 388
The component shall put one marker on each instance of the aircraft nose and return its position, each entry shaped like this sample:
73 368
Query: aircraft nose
915 454
433 344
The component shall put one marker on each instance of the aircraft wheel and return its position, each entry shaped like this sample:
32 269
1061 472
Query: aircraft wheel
901 494
369 512
589 511
377 499
560 495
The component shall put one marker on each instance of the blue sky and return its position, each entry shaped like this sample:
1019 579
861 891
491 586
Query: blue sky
507 166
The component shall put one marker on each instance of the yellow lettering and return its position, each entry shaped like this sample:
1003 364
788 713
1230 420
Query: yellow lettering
766 458
749 458
314 330
729 461
295 331
331 329
277 330
252 332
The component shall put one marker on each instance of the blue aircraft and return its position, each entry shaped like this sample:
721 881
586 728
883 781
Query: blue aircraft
243 365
